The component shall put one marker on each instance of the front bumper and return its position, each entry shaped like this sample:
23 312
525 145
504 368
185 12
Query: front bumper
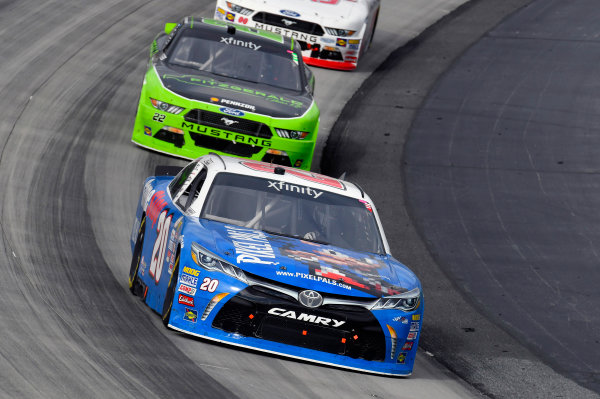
187 137
338 335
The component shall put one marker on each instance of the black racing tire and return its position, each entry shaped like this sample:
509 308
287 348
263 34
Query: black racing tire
168 303
136 258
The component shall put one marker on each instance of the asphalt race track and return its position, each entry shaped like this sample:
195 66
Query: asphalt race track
70 74
503 158
487 176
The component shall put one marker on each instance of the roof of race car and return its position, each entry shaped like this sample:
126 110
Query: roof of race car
217 163
339 14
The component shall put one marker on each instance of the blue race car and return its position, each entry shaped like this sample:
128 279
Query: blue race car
275 259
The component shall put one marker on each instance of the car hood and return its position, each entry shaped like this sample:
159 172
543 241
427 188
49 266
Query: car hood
305 264
233 93
343 15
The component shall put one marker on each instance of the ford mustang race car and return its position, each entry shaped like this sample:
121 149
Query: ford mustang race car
215 87
332 33
276 259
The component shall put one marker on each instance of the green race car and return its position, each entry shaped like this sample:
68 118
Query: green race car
217 87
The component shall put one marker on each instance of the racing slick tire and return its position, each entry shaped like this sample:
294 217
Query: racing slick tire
168 303
134 284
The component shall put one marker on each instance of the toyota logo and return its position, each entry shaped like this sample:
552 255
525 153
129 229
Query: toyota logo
310 298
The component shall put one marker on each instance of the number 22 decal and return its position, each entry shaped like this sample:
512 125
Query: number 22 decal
209 284
160 245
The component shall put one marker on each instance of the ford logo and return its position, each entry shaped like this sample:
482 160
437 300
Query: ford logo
310 298
289 13
231 111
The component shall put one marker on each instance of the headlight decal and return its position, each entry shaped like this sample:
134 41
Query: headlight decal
407 301
166 107
211 262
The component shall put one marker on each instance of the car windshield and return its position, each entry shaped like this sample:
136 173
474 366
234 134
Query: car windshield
292 210
242 59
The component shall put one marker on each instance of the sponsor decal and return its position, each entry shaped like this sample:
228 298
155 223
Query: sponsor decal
189 280
411 336
416 317
353 47
286 32
190 315
302 174
147 130
327 40
340 42
360 273
289 13
230 17
402 358
155 206
233 104
407 346
220 11
251 246
231 111
185 300
207 82
238 138
241 43
353 41
309 318
414 326
401 319
187 289
191 271
320 279
279 186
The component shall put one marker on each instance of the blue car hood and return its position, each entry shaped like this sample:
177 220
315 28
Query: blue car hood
305 264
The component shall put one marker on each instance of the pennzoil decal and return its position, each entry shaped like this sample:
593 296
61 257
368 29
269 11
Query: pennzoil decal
198 81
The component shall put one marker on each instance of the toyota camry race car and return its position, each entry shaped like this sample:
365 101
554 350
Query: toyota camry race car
215 87
332 33
275 259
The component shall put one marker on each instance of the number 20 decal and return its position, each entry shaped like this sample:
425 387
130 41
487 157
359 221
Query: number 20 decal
209 284
160 245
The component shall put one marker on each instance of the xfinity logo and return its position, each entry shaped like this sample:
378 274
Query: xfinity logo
279 185
287 22
241 43
228 122
289 13
231 111
310 318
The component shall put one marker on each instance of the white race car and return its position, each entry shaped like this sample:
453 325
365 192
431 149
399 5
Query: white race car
332 33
